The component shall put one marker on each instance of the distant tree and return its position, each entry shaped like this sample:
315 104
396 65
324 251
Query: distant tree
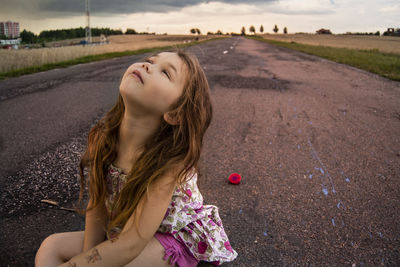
198 31
378 33
261 29
130 31
28 37
275 29
285 30
324 31
243 31
210 33
252 29
219 32
193 30
53 35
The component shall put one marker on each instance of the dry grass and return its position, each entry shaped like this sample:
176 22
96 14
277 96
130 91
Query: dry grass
23 58
386 44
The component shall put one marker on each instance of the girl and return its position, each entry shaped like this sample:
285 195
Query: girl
145 208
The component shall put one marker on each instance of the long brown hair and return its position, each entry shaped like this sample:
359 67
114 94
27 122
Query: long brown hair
168 149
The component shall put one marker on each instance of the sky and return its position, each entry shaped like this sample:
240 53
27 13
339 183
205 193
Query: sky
179 16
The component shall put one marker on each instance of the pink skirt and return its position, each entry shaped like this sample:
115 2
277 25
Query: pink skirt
173 247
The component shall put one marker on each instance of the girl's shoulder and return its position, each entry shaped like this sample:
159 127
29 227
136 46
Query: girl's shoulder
190 179
188 192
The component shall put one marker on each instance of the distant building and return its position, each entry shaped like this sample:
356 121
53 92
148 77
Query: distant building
10 44
392 32
9 29
324 31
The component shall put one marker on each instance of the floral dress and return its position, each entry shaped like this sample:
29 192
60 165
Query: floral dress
197 226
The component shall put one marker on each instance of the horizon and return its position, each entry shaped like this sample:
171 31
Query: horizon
205 33
174 17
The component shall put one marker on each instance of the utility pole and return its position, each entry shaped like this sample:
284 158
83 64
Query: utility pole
88 30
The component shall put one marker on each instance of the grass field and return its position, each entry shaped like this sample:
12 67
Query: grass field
14 63
372 60
386 44
24 58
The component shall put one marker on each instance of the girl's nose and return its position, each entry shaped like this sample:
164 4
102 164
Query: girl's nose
146 67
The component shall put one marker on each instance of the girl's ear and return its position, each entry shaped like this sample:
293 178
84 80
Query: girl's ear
171 120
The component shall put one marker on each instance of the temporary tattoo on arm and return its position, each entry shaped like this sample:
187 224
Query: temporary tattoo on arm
71 264
94 257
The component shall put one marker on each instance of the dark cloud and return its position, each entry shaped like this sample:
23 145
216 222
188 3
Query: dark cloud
65 8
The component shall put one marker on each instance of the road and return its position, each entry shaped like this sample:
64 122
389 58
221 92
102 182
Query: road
317 144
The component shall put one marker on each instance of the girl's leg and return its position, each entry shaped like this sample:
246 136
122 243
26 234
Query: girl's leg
59 248
151 256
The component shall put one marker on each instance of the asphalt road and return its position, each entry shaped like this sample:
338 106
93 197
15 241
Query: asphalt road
317 144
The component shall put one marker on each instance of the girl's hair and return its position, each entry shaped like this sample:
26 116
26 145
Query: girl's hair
173 148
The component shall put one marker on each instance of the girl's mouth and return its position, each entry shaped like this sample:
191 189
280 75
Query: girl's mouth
137 74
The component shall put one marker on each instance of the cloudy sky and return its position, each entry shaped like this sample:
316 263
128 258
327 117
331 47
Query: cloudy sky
179 16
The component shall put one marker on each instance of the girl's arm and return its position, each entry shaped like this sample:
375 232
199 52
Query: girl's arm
128 245
95 220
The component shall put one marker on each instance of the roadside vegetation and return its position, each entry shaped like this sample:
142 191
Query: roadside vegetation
95 57
384 64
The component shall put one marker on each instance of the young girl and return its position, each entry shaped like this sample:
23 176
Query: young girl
145 208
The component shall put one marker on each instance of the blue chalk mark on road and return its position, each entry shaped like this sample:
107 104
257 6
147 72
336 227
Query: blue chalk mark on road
340 204
321 170
310 176
333 222
310 122
266 232
347 179
240 211
380 234
325 191
315 155
298 146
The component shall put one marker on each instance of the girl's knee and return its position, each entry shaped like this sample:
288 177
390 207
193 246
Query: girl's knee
50 241
46 250
62 246
48 245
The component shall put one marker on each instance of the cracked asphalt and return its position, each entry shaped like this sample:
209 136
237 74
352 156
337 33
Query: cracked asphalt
317 145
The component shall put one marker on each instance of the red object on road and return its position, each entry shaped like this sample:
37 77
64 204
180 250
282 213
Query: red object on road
235 178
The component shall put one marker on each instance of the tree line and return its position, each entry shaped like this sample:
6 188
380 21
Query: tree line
252 29
57 35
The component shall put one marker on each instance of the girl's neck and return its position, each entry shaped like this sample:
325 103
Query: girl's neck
133 133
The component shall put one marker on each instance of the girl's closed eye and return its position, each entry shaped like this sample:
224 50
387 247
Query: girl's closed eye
151 62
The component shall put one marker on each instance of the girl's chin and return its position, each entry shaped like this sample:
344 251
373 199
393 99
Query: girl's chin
128 87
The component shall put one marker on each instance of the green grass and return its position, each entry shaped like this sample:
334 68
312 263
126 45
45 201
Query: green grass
384 64
86 59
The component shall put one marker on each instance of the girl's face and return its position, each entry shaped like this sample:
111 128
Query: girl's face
161 83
